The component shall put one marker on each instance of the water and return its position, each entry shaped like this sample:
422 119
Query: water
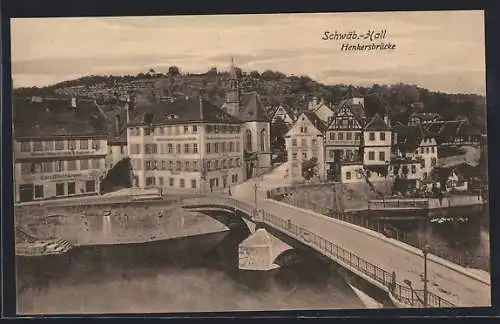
196 274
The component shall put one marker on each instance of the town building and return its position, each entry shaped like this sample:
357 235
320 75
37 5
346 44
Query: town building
344 137
463 177
322 110
60 146
377 140
247 107
283 112
188 144
305 140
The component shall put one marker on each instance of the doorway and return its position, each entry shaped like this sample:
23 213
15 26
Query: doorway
26 192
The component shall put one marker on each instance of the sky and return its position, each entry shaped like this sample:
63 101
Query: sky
441 50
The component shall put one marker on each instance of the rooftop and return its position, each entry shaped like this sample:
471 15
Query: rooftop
377 124
180 112
57 117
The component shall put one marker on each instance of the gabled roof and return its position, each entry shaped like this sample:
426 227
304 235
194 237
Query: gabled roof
182 111
287 109
377 124
57 117
357 110
316 121
252 108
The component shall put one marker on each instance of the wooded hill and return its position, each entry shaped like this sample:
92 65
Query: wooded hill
274 88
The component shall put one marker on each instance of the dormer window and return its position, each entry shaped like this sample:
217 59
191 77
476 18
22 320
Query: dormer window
172 116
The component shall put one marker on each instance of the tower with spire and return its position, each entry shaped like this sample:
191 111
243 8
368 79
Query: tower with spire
233 92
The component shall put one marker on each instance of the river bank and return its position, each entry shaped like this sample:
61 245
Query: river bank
122 223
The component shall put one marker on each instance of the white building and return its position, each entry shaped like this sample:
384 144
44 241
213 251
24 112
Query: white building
377 141
304 141
59 148
186 145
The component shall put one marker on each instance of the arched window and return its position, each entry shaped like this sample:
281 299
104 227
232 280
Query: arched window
263 140
249 140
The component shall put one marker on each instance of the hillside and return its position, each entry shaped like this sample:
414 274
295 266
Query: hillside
274 88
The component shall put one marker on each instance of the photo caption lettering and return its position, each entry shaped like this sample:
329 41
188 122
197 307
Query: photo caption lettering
372 40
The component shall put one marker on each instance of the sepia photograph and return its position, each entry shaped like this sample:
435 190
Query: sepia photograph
250 162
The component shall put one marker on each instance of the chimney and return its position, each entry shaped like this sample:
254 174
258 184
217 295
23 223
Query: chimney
386 120
201 107
117 124
73 102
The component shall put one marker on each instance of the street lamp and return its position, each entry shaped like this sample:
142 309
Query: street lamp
255 187
425 250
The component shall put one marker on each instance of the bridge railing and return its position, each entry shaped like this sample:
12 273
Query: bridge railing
401 292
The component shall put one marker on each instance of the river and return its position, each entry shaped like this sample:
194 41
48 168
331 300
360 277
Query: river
196 274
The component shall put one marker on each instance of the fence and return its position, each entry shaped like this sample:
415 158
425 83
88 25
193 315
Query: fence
462 259
399 203
402 293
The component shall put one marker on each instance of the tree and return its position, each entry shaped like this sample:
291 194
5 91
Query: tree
278 130
254 74
308 168
173 71
212 72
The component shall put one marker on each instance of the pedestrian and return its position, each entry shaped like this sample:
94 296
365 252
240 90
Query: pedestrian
229 191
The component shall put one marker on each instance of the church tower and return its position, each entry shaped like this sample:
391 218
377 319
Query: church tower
233 93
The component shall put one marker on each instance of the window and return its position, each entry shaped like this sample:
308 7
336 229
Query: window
332 153
421 150
432 149
332 136
382 136
303 142
263 140
433 161
371 156
235 178
426 150
216 162
381 156
178 149
249 140
186 165
181 183
304 155
340 136
49 146
224 164
37 167
348 136
84 164
25 146
216 147
193 184
348 175
413 169
60 189
71 164
294 142
37 146
150 181
208 147
96 164
171 182
195 148
186 148
223 147
231 147
84 144
422 163
160 181
195 165
47 167
59 166
71 144
294 156
178 165
38 191
170 148
195 128
238 162
371 136
186 129
147 131
358 136
71 188
209 165
59 145
96 145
